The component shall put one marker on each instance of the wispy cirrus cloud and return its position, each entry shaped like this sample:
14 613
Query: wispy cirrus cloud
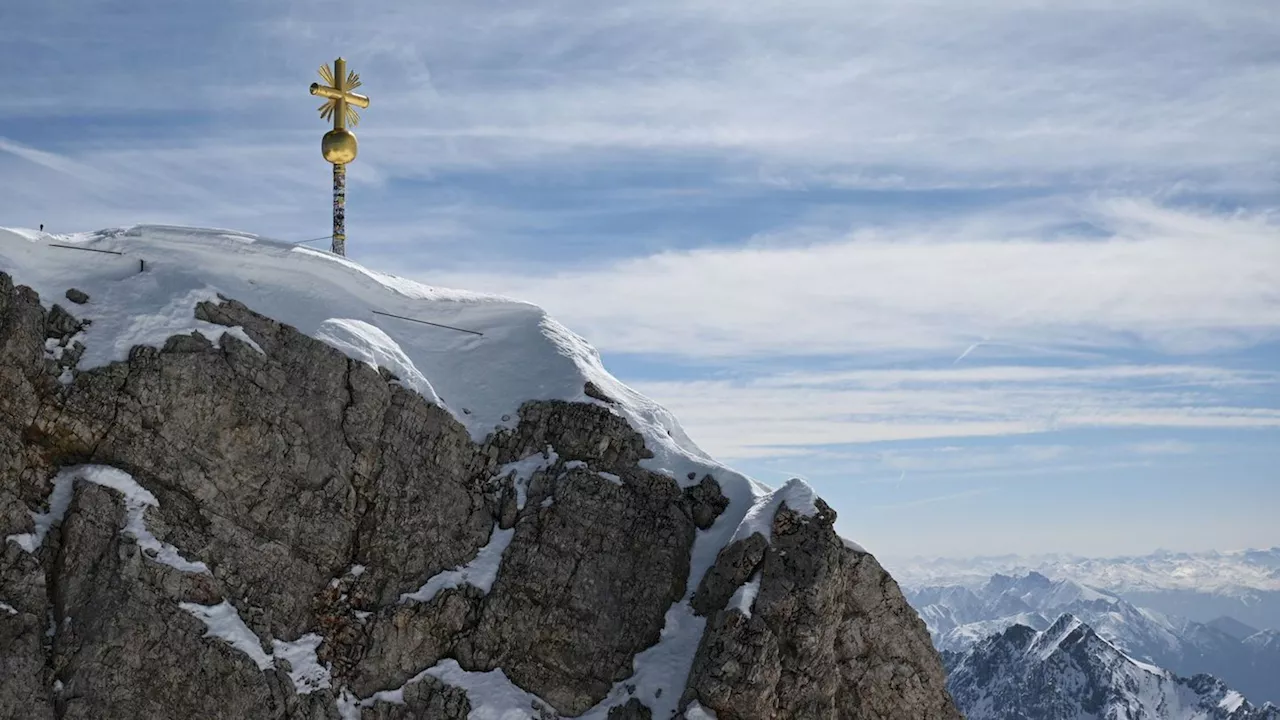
780 94
918 91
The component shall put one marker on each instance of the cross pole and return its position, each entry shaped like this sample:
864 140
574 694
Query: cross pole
339 144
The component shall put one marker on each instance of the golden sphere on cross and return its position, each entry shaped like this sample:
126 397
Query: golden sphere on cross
339 146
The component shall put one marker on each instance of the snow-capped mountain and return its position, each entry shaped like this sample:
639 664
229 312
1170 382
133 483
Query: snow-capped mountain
1264 640
1232 627
1068 672
1210 572
967 635
959 617
1242 584
1032 599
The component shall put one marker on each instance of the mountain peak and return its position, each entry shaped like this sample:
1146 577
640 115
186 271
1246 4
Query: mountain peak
1068 672
1065 631
1180 645
1232 627
1064 623
1019 636
1035 579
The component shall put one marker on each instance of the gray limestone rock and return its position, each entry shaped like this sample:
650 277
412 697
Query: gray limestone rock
60 324
23 685
425 699
567 613
830 636
706 501
632 710
404 640
123 647
590 389
737 668
734 565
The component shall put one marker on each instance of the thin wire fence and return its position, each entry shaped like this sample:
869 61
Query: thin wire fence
142 266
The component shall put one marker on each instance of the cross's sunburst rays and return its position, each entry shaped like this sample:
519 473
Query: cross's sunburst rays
330 106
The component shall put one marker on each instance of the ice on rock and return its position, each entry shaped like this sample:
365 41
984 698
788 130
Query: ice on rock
136 498
223 622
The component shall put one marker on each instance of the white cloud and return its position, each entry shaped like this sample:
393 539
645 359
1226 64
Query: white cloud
1170 280
777 416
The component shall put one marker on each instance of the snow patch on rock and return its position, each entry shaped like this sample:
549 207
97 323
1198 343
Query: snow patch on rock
370 344
660 668
852 545
215 334
491 694
136 498
223 622
59 501
524 469
744 598
305 669
695 711
1231 701
480 572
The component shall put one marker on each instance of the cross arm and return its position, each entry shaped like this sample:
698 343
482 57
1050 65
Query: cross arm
335 94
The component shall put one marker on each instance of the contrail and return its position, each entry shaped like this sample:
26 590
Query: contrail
965 354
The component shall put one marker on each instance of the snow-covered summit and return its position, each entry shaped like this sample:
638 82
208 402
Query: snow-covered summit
144 281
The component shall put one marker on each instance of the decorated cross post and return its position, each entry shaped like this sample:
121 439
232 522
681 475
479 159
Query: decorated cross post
339 144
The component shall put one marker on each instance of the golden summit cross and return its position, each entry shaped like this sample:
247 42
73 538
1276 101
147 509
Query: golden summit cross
339 144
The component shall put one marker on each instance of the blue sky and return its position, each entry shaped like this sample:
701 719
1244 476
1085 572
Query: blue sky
995 276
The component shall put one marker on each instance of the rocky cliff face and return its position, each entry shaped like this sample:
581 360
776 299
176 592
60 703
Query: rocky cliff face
262 527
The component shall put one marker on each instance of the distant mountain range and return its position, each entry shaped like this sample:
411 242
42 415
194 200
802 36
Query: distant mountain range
960 617
1244 584
1068 672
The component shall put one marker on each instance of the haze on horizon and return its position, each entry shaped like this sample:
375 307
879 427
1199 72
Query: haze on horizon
994 278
